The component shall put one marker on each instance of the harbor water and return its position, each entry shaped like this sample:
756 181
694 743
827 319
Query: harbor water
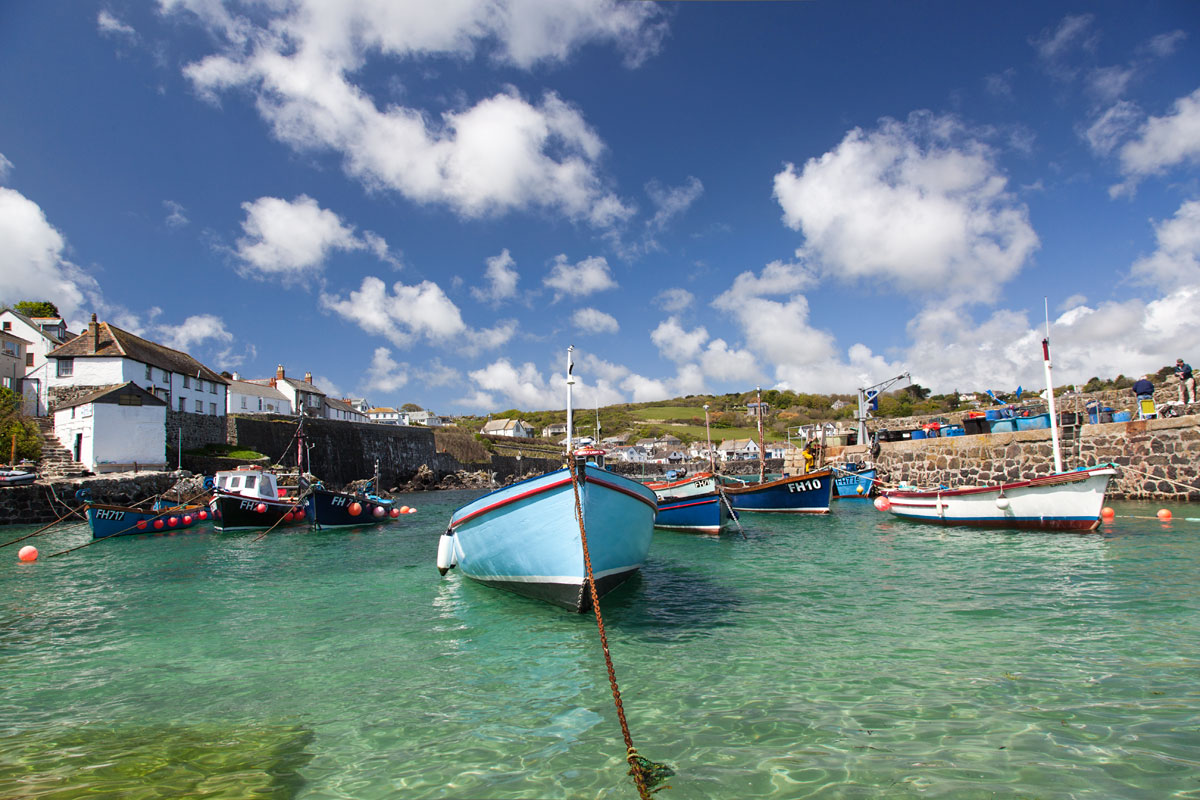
843 656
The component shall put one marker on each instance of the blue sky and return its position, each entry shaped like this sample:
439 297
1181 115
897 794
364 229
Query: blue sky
427 202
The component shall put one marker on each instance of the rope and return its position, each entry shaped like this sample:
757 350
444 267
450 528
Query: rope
44 527
56 499
732 513
164 513
645 773
1168 480
299 501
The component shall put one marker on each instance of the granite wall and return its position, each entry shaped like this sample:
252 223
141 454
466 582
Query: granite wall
42 503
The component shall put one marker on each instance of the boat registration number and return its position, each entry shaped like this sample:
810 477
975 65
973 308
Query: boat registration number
108 513
809 485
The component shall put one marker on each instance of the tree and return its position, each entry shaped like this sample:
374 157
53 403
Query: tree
411 407
36 308
14 423
916 391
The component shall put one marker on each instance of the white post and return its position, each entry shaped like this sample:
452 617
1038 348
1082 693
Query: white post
708 437
570 412
1058 465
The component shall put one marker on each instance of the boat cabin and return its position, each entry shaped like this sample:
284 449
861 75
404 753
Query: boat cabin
591 455
249 482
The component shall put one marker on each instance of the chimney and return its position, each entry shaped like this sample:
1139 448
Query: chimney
237 376
279 373
94 332
308 377
272 383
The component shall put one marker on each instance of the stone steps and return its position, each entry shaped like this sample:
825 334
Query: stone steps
57 461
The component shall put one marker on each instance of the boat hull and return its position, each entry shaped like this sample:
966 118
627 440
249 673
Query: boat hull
525 538
699 484
809 493
16 478
696 513
108 520
233 512
1066 501
848 484
329 509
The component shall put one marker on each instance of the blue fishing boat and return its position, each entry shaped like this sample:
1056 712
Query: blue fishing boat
528 538
705 513
854 480
809 493
109 520
330 509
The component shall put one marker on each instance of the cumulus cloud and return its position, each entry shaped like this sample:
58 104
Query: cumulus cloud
674 300
577 280
1176 262
420 311
109 25
5 167
675 343
33 262
1162 142
300 60
286 238
671 201
385 374
1113 125
501 279
918 204
591 320
194 331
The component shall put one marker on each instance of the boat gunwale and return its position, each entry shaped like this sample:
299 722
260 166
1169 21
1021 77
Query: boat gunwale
455 522
1053 479
743 488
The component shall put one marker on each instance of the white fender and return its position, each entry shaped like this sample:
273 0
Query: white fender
445 555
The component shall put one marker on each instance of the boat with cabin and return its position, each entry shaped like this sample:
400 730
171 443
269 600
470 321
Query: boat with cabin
691 504
250 498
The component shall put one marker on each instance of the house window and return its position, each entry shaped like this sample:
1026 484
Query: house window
8 326
129 400
199 385
29 359
166 376
187 381
183 404
66 367
10 349
260 404
149 373
212 409
199 407
212 387
244 402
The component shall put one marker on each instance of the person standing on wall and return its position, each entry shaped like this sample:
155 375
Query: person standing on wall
1187 382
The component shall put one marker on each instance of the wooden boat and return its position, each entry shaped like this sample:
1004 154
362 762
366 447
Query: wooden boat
809 493
249 498
1069 501
853 480
698 484
690 504
110 520
526 538
329 509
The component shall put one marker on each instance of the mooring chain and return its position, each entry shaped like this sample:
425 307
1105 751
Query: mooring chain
638 765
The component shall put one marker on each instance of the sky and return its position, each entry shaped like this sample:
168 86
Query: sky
428 202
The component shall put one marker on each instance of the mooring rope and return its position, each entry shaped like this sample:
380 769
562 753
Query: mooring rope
57 499
645 772
44 527
732 513
297 504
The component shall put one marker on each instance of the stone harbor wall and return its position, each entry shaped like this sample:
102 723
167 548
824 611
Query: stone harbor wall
1160 458
195 430
42 503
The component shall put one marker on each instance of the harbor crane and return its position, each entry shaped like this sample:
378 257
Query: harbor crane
868 399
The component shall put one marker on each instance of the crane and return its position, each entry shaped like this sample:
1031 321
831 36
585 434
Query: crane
867 398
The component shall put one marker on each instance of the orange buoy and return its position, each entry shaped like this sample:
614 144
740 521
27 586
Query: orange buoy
261 508
1107 514
395 512
411 510
403 509
27 553
355 509
1164 514
882 503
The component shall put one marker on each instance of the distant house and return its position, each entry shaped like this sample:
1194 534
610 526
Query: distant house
838 405
507 427
114 429
779 449
737 450
631 454
343 411
422 417
248 397
612 441
359 404
753 407
555 429
106 355
384 415
699 451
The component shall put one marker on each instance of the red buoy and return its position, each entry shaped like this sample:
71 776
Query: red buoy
355 509
28 553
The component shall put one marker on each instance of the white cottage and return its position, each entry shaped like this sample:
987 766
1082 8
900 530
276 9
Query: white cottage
118 428
43 335
248 397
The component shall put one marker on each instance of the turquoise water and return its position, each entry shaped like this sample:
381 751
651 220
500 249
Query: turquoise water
848 656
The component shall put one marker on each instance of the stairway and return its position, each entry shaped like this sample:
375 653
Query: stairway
56 462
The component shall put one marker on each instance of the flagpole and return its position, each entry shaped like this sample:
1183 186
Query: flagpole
570 413
1054 446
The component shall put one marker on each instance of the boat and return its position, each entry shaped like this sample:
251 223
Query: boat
113 520
854 479
690 504
809 493
1070 501
329 509
1067 501
528 539
16 477
250 498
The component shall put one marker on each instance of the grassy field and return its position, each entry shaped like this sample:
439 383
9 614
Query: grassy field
720 434
668 412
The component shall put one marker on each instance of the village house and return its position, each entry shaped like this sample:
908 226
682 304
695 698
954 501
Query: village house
342 411
249 397
738 450
630 455
423 417
779 449
507 427
554 429
42 334
114 429
613 441
384 415
13 350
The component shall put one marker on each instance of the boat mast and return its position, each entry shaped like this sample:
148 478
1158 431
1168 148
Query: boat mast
570 412
708 437
1054 446
762 454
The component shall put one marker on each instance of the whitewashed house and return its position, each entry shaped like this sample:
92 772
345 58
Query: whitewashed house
738 450
554 429
700 451
421 417
118 428
105 355
343 411
384 415
12 360
631 454
507 427
779 449
43 335
248 397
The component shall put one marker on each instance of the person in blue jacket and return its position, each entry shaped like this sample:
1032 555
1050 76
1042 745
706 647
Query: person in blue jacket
1142 387
1187 382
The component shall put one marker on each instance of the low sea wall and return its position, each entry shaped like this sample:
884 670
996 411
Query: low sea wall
1160 458
39 503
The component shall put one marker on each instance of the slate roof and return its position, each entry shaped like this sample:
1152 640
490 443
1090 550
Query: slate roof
33 324
110 394
256 389
117 343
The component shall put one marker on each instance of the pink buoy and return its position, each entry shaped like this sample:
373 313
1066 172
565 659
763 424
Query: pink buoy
882 503
141 524
261 508
355 509
27 553
411 510
378 511
395 512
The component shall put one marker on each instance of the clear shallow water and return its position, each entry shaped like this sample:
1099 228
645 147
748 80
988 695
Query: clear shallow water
850 656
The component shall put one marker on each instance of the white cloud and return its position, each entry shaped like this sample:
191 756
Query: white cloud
1074 32
674 300
918 204
1162 142
5 167
111 26
437 374
591 320
588 276
522 386
33 264
501 277
675 343
285 238
1176 262
194 331
385 374
504 153
1112 126
412 312
176 218
671 201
